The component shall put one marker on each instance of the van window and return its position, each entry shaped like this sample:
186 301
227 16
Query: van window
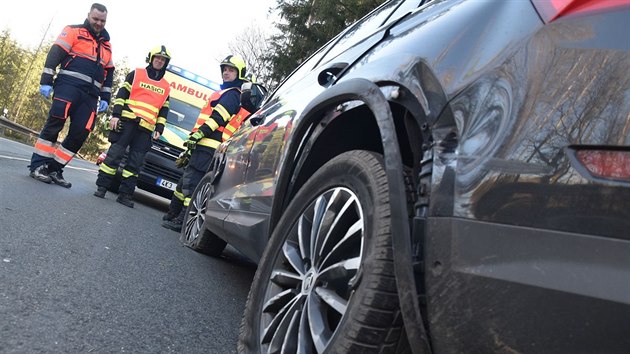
183 115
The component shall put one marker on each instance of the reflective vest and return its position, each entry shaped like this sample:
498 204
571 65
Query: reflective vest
205 118
147 97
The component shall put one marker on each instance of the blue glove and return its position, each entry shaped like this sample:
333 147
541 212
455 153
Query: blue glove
45 90
102 106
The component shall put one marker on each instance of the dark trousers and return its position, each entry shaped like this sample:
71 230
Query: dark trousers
138 140
199 164
68 102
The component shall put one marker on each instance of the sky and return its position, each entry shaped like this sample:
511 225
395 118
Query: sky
197 33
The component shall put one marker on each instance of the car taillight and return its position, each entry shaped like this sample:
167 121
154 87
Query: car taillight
551 10
607 164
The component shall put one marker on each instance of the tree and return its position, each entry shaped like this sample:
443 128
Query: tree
306 25
253 46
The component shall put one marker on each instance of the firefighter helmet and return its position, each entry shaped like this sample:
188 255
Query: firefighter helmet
160 51
237 62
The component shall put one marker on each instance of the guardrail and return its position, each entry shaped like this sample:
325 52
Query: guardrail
4 122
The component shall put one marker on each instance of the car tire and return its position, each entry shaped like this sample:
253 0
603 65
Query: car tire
343 297
194 235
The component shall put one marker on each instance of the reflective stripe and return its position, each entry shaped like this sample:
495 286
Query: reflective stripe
144 105
49 71
223 112
127 174
44 148
128 114
107 169
187 201
88 126
212 124
80 77
63 155
143 123
106 89
63 44
209 143
179 195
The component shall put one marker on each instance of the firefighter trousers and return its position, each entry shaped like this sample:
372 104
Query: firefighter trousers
129 148
197 167
68 102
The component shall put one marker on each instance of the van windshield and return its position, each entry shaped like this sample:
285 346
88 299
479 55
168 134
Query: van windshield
182 114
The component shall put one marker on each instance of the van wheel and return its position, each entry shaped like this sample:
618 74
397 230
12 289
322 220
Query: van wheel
194 234
326 279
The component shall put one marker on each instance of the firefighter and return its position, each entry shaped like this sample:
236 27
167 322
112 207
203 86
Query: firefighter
86 73
206 136
252 95
139 114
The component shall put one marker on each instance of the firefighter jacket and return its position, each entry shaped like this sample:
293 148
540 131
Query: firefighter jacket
85 59
217 113
144 97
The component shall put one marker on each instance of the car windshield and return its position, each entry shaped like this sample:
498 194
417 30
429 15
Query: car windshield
182 114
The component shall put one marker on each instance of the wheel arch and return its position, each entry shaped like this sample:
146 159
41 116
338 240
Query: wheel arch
396 126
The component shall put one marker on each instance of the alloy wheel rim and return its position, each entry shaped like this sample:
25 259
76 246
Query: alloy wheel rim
197 213
314 275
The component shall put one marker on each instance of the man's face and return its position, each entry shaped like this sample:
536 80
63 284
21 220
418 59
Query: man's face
229 73
158 62
97 20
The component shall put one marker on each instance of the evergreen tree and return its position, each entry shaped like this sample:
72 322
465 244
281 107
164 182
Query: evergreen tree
306 25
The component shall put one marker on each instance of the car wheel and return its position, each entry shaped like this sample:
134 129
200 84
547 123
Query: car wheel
194 234
326 279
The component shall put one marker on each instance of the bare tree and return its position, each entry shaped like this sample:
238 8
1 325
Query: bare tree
253 45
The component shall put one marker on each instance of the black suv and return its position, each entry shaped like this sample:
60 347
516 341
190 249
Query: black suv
446 177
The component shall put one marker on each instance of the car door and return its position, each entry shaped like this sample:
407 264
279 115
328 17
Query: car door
250 201
540 243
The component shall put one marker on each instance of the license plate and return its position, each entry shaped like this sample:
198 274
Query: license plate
166 183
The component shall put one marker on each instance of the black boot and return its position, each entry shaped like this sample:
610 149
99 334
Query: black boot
175 224
100 192
41 174
125 199
174 208
57 178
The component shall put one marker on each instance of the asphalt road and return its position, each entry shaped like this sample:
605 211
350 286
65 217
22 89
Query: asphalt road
83 274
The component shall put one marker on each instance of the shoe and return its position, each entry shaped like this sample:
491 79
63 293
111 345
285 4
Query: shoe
175 224
125 199
100 192
41 174
169 216
57 178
